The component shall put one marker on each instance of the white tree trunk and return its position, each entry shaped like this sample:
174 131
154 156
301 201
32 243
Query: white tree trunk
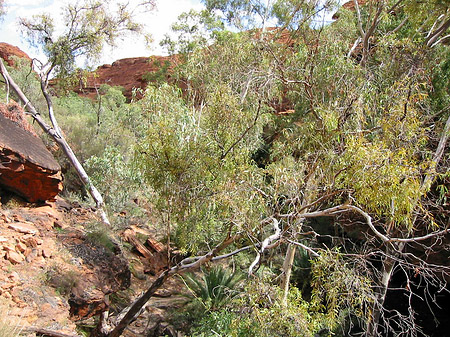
287 271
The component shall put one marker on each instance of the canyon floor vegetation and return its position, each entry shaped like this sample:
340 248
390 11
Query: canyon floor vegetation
308 161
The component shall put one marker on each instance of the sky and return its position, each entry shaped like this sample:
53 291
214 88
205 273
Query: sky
157 22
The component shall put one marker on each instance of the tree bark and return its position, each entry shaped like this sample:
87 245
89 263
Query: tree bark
290 253
434 36
48 333
287 271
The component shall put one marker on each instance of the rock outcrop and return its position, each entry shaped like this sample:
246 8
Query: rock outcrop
350 5
14 112
103 273
128 73
7 51
27 168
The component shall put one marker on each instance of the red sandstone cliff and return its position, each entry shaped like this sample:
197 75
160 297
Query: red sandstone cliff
7 50
127 73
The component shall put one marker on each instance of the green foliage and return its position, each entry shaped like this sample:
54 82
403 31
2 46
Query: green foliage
215 289
301 272
247 74
28 81
244 14
340 286
2 9
272 318
194 30
89 126
115 178
76 116
258 312
223 323
88 26
99 235
197 162
387 182
441 80
269 121
159 76
425 16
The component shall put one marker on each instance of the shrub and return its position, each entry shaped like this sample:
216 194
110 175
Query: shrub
215 289
114 177
225 323
259 312
99 235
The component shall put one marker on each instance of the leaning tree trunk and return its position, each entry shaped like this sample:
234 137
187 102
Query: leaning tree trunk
290 253
131 313
287 271
57 136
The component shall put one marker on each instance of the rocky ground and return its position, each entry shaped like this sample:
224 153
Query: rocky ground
60 271
30 249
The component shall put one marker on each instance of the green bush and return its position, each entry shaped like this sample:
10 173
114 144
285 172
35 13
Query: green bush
259 312
103 135
225 323
115 178
215 289
99 235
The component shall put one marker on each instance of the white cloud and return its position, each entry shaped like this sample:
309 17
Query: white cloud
23 3
157 23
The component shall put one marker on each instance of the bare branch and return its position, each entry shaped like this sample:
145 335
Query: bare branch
251 126
266 243
308 249
421 238
135 308
438 153
352 49
383 237
442 39
433 35
47 332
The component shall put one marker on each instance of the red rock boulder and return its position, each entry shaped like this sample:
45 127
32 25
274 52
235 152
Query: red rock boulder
27 168
128 73
7 50
14 112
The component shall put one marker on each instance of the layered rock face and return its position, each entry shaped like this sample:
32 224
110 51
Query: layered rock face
14 112
7 51
127 73
27 168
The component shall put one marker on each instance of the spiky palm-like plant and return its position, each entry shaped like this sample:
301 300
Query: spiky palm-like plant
215 288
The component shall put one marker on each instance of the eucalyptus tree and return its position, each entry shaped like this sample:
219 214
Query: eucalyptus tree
88 26
275 130
356 142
